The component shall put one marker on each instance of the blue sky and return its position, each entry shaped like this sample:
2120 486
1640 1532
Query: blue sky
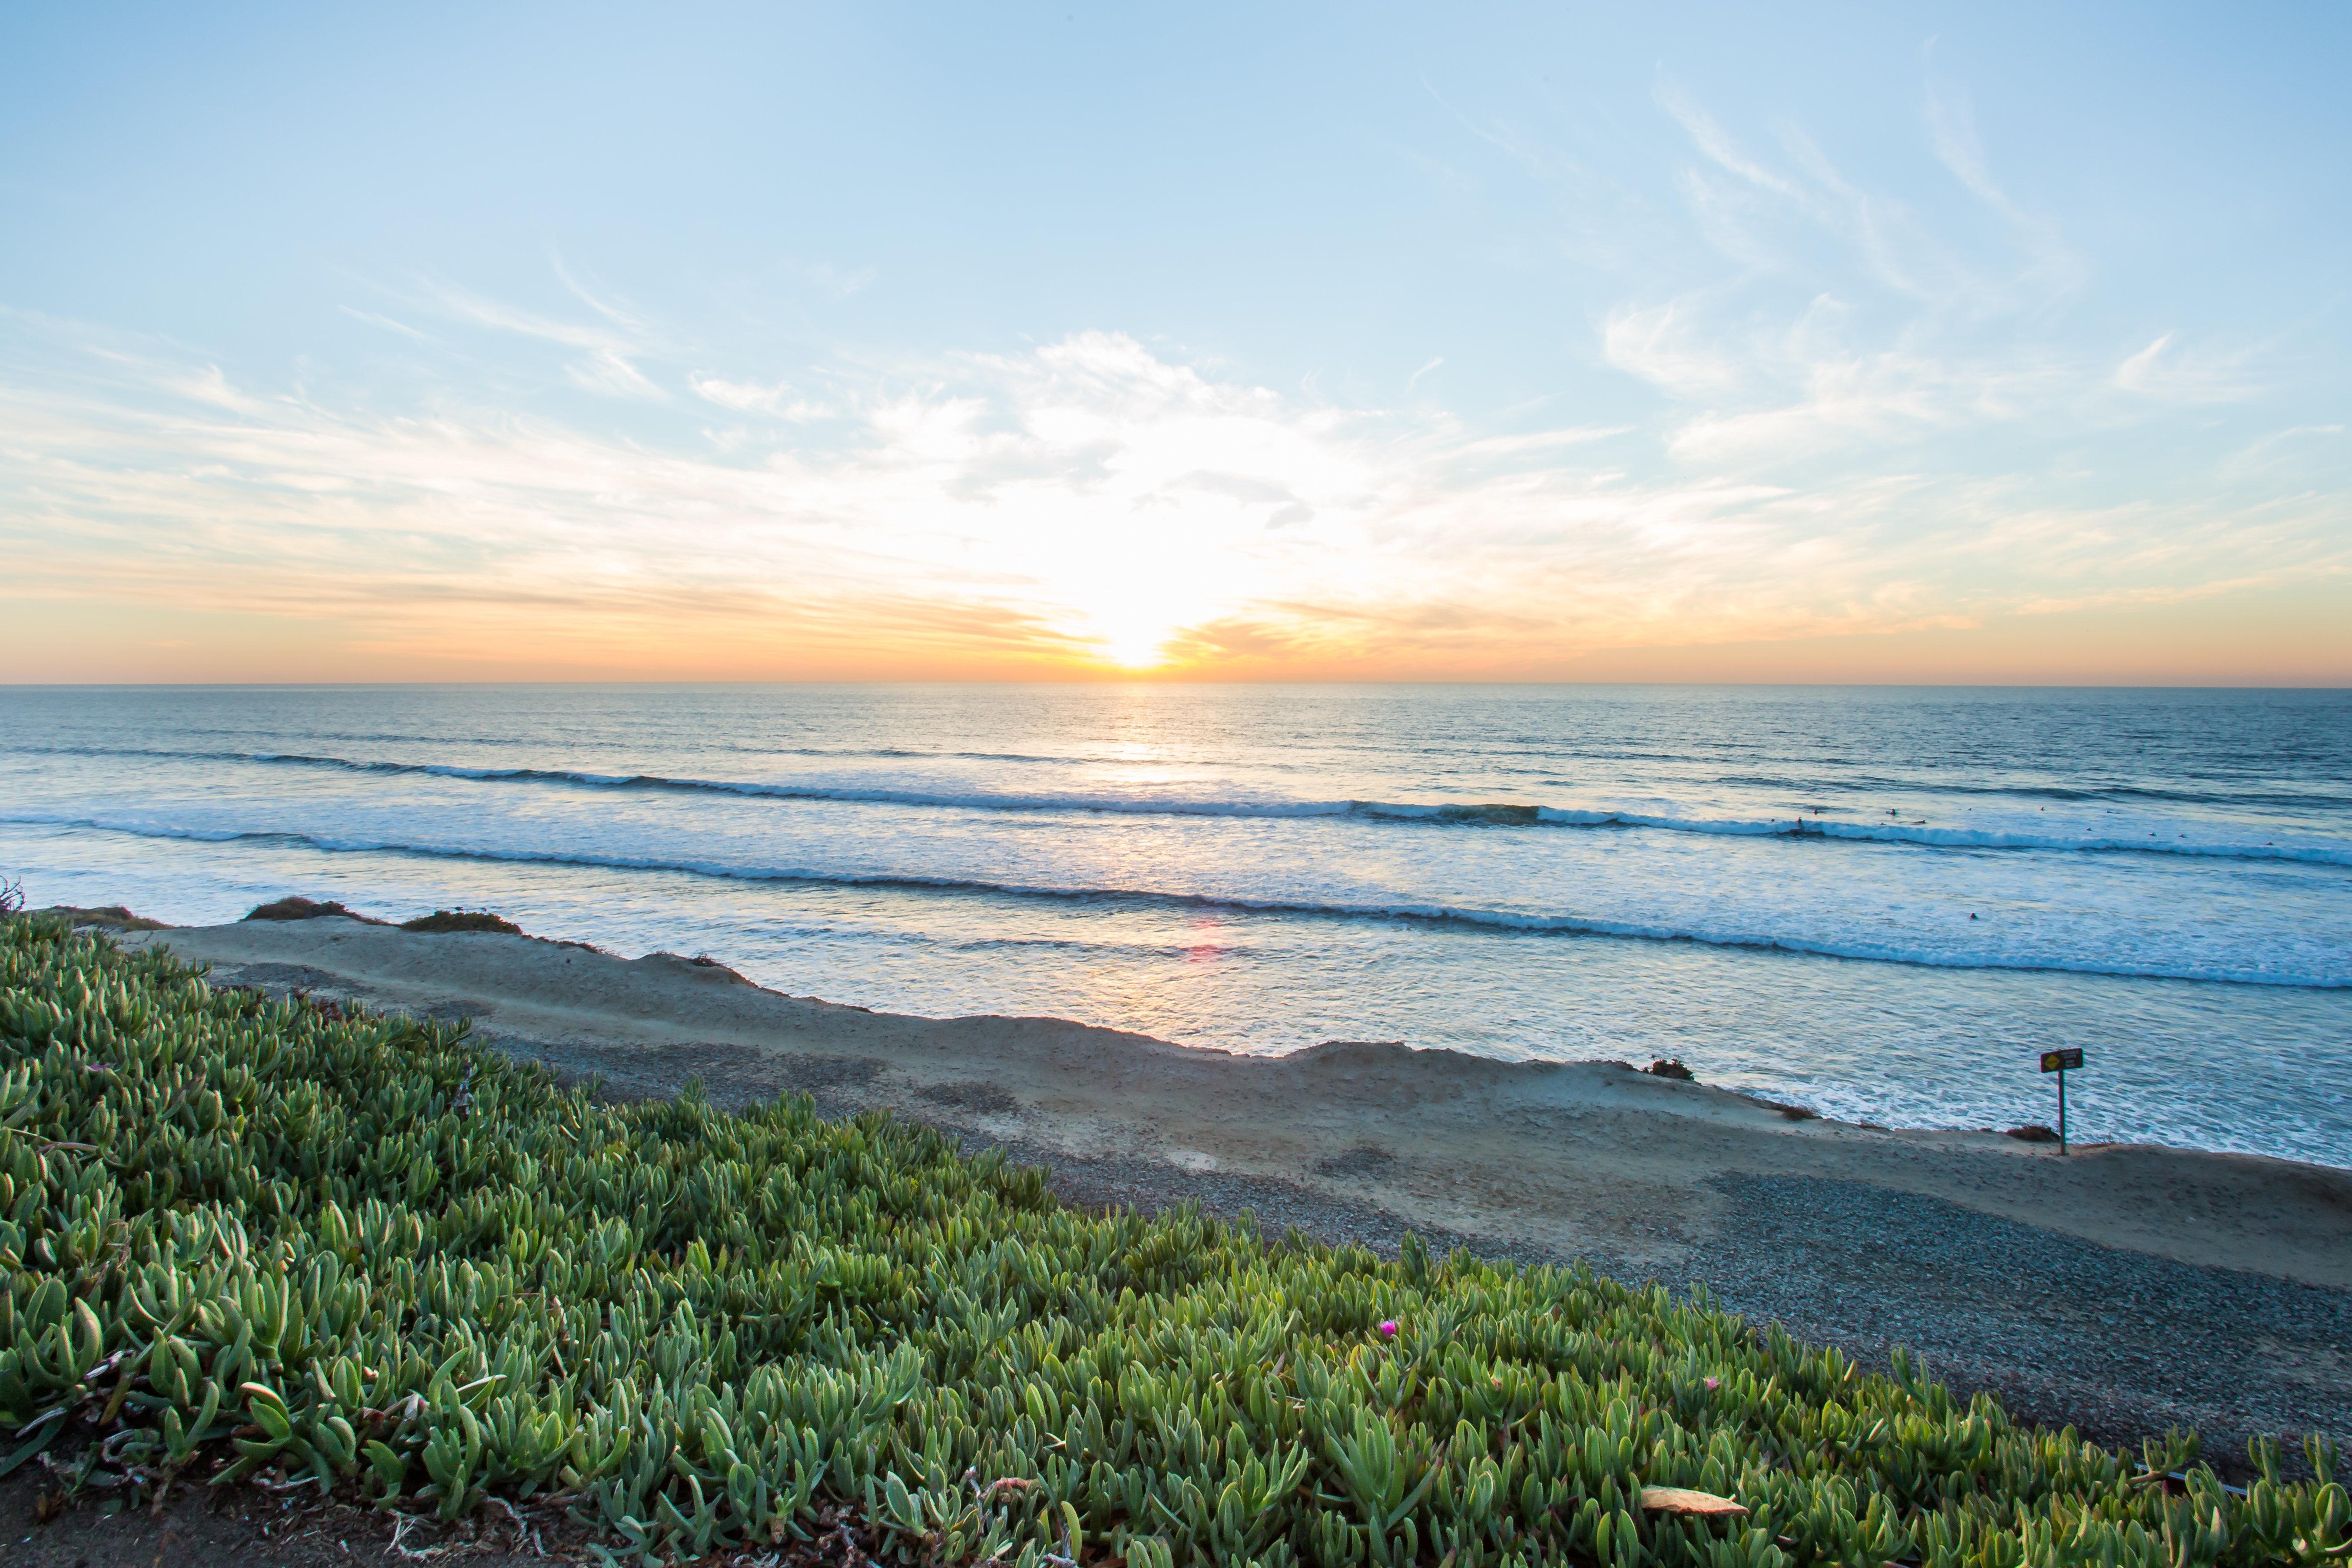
1888 342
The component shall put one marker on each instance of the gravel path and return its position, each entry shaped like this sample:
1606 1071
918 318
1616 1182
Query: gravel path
2120 1344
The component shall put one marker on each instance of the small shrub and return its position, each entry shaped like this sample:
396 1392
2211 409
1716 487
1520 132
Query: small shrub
441 922
111 917
2034 1132
1673 1069
296 908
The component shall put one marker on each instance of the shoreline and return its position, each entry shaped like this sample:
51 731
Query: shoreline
2124 1288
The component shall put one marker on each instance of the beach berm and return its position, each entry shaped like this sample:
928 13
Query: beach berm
314 1248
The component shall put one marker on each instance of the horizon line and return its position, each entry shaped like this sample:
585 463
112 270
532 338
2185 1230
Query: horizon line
1144 680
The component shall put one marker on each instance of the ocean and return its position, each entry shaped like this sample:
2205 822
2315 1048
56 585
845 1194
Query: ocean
1880 903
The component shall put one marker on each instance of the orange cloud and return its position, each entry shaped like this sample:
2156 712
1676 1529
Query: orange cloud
1089 508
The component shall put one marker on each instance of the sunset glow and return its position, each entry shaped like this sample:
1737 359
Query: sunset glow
874 747
1586 351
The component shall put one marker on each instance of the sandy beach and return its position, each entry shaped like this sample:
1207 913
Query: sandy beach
2123 1287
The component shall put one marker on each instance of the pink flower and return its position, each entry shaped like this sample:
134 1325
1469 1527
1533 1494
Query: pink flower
1389 1329
1713 1384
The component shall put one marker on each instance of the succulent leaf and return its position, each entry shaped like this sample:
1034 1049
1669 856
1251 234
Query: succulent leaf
403 1258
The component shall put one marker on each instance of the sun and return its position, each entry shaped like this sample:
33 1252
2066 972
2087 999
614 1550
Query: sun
1131 636
1137 648
1133 622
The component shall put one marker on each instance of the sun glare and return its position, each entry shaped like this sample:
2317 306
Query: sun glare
1136 648
1129 622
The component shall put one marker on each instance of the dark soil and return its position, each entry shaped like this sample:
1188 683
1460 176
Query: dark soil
196 1524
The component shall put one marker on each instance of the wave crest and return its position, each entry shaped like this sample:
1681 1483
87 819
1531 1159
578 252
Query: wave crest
1443 814
1471 917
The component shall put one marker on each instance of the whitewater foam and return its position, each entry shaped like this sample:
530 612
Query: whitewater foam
1782 888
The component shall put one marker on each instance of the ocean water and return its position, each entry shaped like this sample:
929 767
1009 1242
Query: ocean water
1881 903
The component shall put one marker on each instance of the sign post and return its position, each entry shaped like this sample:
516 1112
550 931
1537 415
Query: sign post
2058 1062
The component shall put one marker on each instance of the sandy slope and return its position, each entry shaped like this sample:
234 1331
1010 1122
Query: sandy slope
2125 1290
1556 1158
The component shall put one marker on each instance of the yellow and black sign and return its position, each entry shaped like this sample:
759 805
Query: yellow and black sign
2059 1061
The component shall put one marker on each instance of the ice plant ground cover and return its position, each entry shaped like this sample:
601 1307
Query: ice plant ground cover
255 1239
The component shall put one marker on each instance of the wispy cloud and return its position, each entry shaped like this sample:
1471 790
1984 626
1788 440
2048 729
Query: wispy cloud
1952 127
2168 373
1717 144
610 347
1677 347
604 303
777 399
1952 123
1089 498
836 281
387 324
606 372
1845 324
207 385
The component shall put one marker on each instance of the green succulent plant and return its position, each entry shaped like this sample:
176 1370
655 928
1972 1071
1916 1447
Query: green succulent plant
366 1255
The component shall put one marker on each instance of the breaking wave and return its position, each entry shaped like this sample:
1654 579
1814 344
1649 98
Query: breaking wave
1895 829
1465 916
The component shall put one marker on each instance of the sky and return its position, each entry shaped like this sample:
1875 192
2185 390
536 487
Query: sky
1888 342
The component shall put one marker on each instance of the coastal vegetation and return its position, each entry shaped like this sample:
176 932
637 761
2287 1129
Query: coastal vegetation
306 1248
443 921
439 922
